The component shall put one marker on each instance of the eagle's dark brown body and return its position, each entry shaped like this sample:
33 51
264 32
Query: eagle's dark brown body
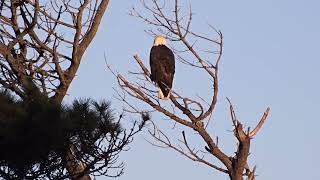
162 65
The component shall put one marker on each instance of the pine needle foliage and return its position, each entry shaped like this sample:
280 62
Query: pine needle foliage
36 134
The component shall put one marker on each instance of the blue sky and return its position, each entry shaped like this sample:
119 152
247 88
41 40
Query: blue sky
271 58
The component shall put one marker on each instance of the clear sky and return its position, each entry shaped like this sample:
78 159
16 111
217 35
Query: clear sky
271 58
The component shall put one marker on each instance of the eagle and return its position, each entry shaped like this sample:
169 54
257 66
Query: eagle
162 65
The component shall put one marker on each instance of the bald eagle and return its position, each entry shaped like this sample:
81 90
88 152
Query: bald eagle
162 65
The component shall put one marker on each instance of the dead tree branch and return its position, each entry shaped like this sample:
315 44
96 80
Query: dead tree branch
186 111
46 42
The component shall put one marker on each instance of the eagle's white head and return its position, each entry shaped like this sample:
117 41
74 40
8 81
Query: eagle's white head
159 40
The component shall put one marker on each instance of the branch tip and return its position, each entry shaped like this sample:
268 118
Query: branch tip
260 124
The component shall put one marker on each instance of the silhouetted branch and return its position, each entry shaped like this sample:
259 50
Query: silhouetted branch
37 43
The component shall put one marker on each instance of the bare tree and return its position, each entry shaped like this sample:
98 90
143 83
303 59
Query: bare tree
46 42
192 113
41 47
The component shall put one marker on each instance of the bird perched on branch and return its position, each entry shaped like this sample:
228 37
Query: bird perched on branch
162 64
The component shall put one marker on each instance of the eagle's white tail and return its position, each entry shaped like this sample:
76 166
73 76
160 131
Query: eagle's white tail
161 96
